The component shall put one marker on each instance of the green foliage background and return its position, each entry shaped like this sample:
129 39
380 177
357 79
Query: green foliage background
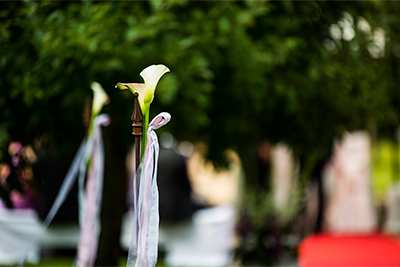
238 70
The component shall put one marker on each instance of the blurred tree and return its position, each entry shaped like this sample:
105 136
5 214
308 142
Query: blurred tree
241 73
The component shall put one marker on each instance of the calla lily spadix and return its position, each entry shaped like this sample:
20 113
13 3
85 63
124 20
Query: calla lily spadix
151 75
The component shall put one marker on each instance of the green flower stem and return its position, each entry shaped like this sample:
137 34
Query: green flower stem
90 130
144 136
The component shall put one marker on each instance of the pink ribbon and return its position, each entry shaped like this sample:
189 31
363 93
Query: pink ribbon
144 243
90 201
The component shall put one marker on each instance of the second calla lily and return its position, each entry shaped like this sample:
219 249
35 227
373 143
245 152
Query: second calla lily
100 98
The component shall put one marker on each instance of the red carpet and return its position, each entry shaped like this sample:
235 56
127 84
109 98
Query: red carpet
369 250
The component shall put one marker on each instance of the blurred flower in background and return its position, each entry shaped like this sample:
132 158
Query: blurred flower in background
17 186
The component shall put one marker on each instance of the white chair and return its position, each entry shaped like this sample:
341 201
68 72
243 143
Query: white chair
208 241
20 231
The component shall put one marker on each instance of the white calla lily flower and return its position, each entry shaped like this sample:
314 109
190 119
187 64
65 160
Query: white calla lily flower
100 98
151 75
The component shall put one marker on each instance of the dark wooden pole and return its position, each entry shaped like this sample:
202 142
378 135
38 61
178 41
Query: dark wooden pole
137 125
87 113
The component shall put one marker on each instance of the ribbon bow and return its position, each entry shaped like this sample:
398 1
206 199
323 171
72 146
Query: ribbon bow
143 249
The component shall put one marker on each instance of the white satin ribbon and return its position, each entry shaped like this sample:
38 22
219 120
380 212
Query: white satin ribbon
143 249
66 186
91 148
90 198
